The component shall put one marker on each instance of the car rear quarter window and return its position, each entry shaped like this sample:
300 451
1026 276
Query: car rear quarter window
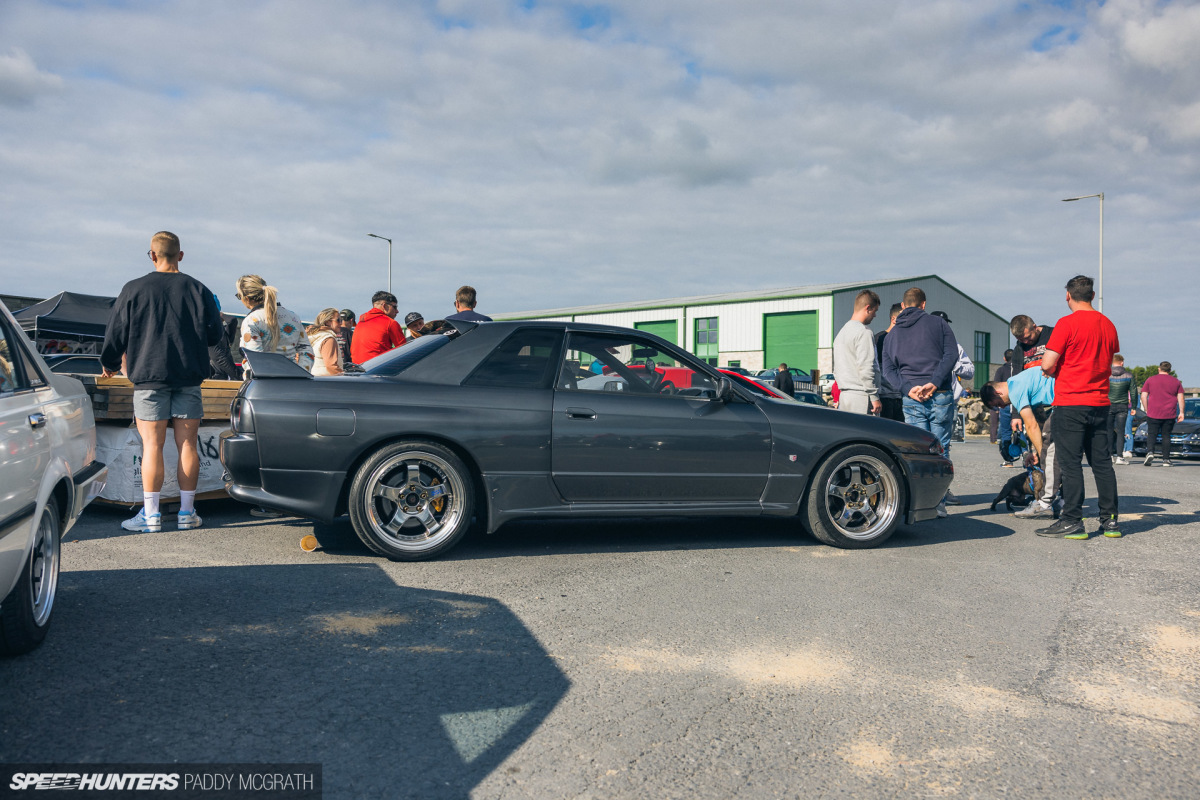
527 359
396 361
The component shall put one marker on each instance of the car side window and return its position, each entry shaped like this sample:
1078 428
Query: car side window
10 353
527 359
615 363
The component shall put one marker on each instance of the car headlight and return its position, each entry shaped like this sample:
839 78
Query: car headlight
1141 429
1194 438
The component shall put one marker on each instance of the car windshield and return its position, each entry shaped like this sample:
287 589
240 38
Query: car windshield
1191 408
396 361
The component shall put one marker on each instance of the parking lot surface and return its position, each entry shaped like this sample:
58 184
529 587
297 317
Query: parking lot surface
719 658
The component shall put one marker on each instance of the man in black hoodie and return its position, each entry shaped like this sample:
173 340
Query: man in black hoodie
918 358
161 327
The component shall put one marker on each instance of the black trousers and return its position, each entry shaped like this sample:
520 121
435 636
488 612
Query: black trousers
1153 426
893 408
1116 427
1083 431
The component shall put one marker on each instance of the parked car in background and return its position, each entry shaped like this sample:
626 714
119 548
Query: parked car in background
825 382
759 388
48 474
1185 436
737 371
812 398
498 422
74 364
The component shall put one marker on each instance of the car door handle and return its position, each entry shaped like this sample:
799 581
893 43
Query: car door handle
580 413
37 420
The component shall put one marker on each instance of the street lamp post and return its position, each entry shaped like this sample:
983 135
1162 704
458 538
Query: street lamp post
1100 289
389 241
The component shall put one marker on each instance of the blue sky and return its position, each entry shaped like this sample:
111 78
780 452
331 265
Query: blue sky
553 154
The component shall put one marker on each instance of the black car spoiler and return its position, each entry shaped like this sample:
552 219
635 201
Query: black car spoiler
273 365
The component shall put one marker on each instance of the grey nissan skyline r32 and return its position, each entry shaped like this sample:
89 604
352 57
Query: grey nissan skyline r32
517 420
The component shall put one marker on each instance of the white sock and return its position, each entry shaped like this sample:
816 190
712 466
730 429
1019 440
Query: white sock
187 501
150 500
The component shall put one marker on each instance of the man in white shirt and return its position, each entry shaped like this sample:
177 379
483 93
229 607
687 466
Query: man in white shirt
854 358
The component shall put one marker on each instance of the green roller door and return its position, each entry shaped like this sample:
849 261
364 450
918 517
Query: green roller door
666 329
791 339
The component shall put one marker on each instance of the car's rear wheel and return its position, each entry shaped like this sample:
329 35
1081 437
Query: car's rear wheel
412 500
25 613
856 499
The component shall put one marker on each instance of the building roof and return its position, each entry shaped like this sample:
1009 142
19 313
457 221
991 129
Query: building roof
703 299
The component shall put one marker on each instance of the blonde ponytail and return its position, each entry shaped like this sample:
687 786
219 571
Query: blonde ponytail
254 289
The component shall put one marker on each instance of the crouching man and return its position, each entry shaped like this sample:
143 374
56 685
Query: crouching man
1032 394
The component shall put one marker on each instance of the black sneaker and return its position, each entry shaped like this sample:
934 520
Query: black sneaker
1149 460
1064 529
1109 527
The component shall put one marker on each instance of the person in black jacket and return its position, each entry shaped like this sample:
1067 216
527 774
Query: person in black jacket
159 330
220 358
783 381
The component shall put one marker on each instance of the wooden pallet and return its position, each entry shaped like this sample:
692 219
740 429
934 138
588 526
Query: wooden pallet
112 398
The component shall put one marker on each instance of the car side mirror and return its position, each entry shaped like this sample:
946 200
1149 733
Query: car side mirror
724 390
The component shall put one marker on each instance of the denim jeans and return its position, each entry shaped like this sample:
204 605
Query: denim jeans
935 415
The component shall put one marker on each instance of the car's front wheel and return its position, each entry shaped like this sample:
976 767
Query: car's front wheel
412 500
856 499
25 613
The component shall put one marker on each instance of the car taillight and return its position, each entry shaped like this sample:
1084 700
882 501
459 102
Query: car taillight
241 415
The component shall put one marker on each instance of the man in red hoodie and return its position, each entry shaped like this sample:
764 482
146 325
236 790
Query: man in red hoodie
377 331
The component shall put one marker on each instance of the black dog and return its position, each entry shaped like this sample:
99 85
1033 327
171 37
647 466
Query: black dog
1021 489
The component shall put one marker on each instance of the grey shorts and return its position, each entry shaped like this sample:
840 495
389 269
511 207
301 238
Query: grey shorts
154 405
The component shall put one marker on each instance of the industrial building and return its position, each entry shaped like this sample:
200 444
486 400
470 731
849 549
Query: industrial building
762 329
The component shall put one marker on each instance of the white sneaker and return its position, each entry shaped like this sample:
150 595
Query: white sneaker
186 520
1120 460
941 510
1127 454
142 523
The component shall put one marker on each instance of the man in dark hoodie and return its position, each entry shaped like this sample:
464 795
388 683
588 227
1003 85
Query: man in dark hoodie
918 358
160 328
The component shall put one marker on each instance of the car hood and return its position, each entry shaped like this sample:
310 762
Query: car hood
821 427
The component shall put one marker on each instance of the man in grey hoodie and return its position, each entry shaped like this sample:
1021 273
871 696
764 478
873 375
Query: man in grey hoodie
919 357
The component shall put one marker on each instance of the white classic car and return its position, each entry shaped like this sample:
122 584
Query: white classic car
48 473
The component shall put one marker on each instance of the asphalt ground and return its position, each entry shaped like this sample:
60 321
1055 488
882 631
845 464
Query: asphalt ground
717 658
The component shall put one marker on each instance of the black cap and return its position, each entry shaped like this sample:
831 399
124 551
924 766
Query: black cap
347 314
941 314
411 317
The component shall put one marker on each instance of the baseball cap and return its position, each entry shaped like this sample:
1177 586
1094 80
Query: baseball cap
941 314
346 314
411 317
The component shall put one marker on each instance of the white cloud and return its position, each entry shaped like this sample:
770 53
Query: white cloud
670 149
21 82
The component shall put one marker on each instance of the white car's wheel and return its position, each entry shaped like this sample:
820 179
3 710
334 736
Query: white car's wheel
25 613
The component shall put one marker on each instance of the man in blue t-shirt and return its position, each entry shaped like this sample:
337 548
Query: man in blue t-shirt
1032 394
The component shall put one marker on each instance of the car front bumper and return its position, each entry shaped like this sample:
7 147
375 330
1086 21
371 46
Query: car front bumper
1181 446
929 477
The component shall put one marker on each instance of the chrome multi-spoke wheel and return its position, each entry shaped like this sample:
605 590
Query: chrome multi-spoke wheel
411 500
25 613
856 498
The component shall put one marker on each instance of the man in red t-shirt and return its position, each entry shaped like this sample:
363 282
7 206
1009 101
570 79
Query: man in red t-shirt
377 331
1162 397
1079 358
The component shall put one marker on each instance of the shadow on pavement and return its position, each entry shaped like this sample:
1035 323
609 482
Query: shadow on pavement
398 692
528 538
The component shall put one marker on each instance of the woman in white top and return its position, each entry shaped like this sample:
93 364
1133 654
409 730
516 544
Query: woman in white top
323 336
269 327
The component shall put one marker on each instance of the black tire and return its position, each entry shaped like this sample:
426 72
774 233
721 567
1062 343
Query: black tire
25 613
857 498
394 500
